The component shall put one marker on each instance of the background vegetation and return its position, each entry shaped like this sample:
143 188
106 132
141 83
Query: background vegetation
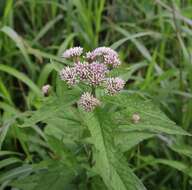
154 41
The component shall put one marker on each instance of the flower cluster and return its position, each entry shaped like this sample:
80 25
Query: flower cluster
69 75
114 85
97 72
106 54
94 72
73 52
88 102
82 70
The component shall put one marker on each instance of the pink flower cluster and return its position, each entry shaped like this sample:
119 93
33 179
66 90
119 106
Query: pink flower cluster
88 102
69 75
105 54
73 52
92 72
114 85
97 72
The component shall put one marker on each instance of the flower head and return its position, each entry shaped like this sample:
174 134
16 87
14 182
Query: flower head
96 74
82 70
73 52
88 102
93 73
107 55
69 75
45 89
111 59
114 85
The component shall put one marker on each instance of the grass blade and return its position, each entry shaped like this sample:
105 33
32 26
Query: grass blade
21 77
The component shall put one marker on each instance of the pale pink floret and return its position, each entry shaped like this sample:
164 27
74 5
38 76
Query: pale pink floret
93 73
90 55
73 52
82 70
112 60
108 55
69 75
96 74
88 102
114 85
45 89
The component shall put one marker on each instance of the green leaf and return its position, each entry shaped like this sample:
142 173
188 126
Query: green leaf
8 161
47 27
45 72
178 165
15 173
63 152
65 43
5 92
57 176
3 132
110 163
152 119
65 126
182 149
20 44
97 183
8 108
5 153
138 44
127 140
21 77
51 107
133 37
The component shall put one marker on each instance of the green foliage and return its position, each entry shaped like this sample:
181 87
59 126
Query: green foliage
49 143
88 144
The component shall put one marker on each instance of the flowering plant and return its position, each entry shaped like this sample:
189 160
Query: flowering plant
88 126
92 71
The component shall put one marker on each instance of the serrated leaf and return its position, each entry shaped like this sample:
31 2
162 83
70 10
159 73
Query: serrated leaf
57 176
64 126
126 140
52 107
152 119
62 152
110 163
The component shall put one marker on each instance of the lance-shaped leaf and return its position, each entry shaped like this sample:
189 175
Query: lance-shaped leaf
151 118
110 163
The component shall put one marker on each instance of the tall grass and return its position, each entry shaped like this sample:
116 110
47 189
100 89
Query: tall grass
153 38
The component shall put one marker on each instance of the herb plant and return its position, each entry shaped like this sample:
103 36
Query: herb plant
83 132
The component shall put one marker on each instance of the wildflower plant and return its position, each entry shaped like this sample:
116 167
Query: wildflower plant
92 70
89 128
